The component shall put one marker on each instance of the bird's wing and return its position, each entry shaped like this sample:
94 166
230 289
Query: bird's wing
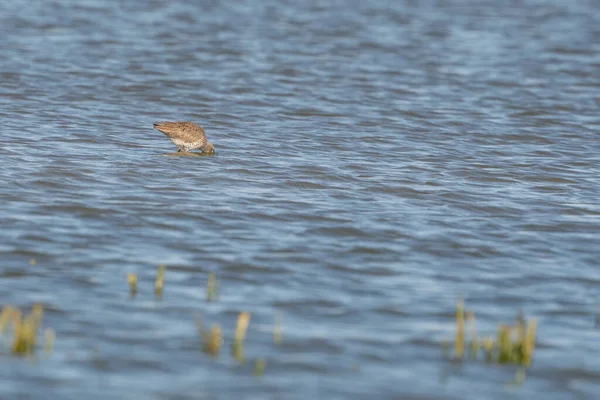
186 131
171 129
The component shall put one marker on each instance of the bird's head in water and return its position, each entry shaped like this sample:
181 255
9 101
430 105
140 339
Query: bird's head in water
208 148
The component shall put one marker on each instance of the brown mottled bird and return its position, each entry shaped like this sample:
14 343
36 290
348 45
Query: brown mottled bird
186 136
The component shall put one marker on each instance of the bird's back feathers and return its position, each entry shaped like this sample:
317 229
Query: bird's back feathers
184 131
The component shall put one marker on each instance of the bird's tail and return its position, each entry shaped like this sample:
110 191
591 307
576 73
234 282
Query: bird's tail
164 127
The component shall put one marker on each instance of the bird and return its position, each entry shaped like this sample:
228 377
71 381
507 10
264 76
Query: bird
186 136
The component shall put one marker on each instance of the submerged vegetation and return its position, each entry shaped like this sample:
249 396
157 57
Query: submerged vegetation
240 334
513 344
25 329
189 154
277 330
160 281
212 338
259 367
212 288
132 279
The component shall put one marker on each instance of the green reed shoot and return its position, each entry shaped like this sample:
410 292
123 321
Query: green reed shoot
49 337
211 339
488 348
212 287
241 327
459 343
25 327
259 367
529 343
505 346
278 330
512 345
240 334
475 344
132 280
160 281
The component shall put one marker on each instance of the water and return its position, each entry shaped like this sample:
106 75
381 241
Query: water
374 163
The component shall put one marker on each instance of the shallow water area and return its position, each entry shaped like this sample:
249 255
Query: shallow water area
376 161
189 154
